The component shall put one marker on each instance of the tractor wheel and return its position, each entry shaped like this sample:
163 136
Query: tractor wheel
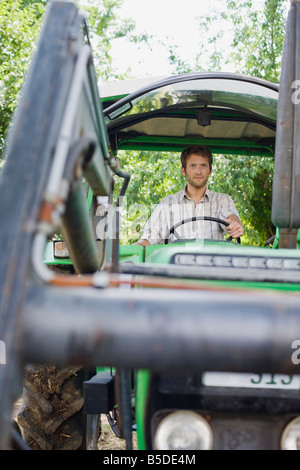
52 416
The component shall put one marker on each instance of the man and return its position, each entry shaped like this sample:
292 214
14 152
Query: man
195 200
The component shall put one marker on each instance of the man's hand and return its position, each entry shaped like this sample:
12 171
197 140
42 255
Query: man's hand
235 228
142 242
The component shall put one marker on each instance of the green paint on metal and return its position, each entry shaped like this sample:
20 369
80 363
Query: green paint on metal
141 400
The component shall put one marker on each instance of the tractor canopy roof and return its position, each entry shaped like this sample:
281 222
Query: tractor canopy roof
230 113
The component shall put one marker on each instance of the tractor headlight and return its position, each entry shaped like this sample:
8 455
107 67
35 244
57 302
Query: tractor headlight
290 439
183 430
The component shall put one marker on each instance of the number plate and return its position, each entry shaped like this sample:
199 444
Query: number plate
244 380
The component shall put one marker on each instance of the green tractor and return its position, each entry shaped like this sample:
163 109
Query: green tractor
190 344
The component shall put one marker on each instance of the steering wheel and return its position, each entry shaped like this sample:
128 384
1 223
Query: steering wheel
193 219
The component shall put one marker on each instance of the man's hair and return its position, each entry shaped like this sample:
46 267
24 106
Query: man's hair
198 150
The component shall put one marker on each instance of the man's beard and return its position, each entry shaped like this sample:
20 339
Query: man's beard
197 184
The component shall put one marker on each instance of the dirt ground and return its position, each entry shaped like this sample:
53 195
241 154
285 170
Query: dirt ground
109 441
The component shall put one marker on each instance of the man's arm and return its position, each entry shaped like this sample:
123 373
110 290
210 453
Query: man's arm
142 242
155 227
235 228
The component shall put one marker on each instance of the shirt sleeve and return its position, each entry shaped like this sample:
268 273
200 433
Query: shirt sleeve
227 207
156 227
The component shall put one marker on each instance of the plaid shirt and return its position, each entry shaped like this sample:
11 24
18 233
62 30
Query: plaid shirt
179 206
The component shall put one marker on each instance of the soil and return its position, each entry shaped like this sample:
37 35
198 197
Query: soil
109 441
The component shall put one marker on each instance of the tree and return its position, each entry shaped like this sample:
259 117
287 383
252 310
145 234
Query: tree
19 28
254 37
104 26
153 176
258 37
249 182
257 47
20 23
246 36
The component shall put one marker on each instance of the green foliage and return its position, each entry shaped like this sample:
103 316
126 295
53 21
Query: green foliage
258 37
245 37
255 49
179 64
20 22
19 28
154 175
250 39
105 25
249 181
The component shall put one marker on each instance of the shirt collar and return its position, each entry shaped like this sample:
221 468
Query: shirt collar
183 194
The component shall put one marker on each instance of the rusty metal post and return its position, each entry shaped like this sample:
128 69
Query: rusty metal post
286 183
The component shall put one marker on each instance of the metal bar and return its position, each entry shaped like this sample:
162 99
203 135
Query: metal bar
65 137
223 273
286 181
78 232
162 329
220 143
288 238
179 146
29 154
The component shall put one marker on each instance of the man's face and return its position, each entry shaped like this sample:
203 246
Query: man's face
197 171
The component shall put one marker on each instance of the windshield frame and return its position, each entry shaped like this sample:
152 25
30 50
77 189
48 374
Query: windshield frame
128 102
